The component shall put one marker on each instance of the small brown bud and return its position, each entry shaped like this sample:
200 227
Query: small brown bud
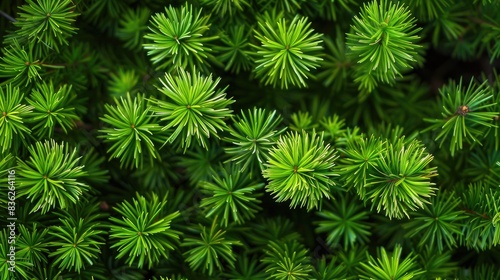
463 110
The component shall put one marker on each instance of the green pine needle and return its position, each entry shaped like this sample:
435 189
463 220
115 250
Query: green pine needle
401 180
302 121
287 261
438 223
252 135
19 65
179 39
48 23
122 82
52 107
22 266
194 108
12 126
232 195
344 219
142 234
32 245
247 268
359 160
227 8
133 131
429 10
50 177
287 53
388 267
300 169
210 249
276 229
235 52
328 271
133 27
383 42
465 112
481 229
336 68
77 245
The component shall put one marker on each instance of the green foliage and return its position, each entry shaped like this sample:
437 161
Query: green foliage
287 52
394 178
22 266
194 107
50 108
46 23
143 232
96 11
12 126
383 43
344 220
333 127
77 244
438 223
247 269
227 7
121 157
32 245
200 163
483 167
123 82
209 248
50 178
465 111
330 270
235 53
401 182
390 266
289 6
96 175
178 39
231 195
428 10
336 67
276 229
19 65
481 229
360 160
480 272
353 259
252 135
450 24
302 121
133 27
436 264
133 131
330 10
287 261
300 169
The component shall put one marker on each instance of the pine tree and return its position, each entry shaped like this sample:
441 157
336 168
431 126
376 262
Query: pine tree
250 139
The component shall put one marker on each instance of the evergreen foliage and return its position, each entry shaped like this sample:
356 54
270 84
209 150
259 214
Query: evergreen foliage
143 232
231 196
288 51
252 136
250 139
300 169
178 37
133 131
49 178
194 107
13 128
382 42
